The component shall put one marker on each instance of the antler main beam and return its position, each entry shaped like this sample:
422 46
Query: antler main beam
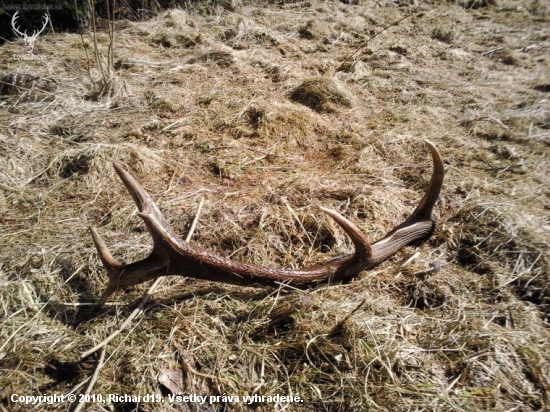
173 256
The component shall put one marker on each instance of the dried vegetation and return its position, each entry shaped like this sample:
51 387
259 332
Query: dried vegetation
248 110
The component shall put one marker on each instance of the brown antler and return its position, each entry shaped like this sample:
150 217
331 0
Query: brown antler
173 256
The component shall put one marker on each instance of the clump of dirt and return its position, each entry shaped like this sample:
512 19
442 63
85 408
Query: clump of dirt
313 30
320 94
170 39
220 58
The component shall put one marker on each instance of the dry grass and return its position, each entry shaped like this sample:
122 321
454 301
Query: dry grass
247 110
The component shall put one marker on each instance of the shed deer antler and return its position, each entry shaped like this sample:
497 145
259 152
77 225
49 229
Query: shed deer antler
173 256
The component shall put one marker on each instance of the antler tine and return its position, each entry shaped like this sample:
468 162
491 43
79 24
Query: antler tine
120 274
362 245
36 32
420 225
171 255
46 20
13 22
111 265
142 199
109 262
426 205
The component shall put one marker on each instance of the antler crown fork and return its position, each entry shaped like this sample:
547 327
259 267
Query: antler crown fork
172 256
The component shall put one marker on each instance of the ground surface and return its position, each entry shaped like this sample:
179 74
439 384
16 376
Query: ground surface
262 113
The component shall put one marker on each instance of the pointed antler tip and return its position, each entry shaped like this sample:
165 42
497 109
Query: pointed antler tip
327 210
432 148
119 169
104 254
133 187
336 216
95 236
362 244
425 207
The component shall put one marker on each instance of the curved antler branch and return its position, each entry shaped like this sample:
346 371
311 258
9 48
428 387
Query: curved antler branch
46 20
172 256
13 25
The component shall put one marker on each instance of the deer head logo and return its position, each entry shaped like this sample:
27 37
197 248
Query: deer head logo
29 40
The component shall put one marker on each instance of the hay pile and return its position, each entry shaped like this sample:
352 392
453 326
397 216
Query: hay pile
248 111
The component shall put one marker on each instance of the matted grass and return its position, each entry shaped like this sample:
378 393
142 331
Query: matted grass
248 110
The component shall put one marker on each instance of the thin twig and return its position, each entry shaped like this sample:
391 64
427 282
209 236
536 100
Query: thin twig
362 45
138 310
50 21
492 51
80 405
81 33
339 325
